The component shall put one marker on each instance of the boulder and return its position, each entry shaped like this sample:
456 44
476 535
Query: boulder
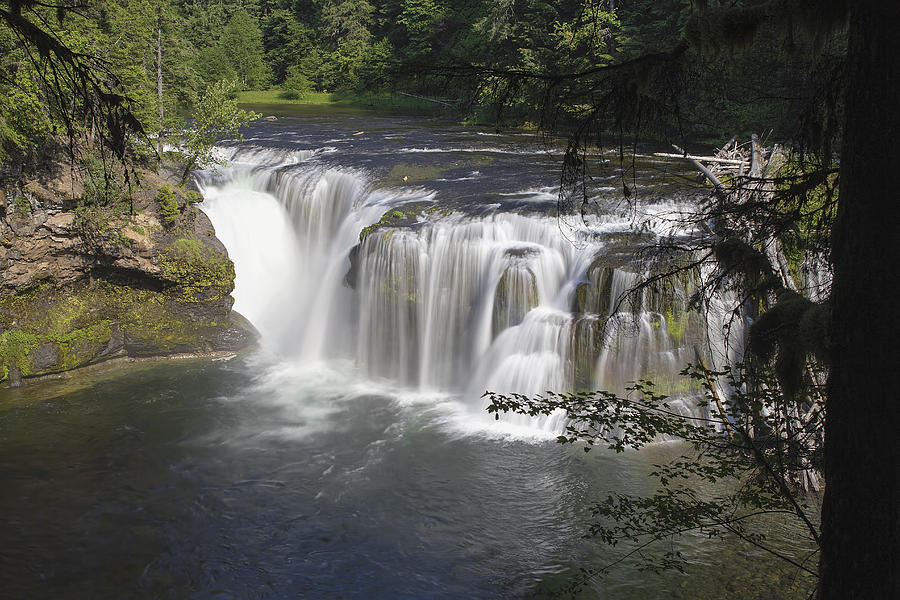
81 286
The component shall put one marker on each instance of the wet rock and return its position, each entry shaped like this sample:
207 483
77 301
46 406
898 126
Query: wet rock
352 273
239 335
81 287
515 295
45 357
594 295
14 377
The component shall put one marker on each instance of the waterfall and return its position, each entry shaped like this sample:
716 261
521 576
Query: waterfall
329 266
255 229
432 293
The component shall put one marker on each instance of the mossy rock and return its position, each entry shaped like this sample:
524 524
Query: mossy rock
47 329
515 295
200 272
404 215
586 344
593 296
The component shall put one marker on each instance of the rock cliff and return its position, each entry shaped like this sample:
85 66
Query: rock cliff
80 282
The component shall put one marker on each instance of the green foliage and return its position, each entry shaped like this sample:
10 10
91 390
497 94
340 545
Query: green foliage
745 463
99 225
234 49
214 65
90 73
216 116
241 44
421 19
807 201
23 206
371 70
365 47
24 118
168 205
296 85
103 185
60 82
346 21
587 40
285 39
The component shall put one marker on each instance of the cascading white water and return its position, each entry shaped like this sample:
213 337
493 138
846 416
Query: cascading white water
268 263
455 303
432 293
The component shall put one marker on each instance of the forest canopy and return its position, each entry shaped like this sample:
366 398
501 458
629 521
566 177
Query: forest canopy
480 56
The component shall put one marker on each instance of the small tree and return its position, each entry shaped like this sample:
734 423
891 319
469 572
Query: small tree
216 116
168 205
296 84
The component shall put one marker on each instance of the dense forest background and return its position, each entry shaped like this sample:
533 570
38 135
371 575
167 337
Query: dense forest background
482 57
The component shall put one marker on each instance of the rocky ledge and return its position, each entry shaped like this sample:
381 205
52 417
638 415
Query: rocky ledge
80 283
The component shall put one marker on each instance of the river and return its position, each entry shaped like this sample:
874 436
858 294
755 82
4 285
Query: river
350 456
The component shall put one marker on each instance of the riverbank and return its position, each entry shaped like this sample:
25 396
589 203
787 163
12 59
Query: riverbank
378 102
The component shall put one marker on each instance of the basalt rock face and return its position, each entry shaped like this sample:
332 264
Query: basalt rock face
81 284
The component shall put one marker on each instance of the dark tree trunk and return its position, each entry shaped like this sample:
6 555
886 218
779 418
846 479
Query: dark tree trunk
861 511
159 78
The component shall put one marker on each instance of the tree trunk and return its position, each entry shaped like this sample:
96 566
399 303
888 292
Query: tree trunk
159 78
861 510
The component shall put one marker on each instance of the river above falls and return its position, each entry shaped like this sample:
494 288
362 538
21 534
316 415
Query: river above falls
350 456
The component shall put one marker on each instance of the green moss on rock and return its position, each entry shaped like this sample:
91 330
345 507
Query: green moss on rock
49 330
200 272
392 218
49 333
676 325
15 348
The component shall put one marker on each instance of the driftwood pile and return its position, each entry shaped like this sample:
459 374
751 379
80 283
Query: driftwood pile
742 175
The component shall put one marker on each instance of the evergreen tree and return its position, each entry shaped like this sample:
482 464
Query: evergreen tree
285 41
346 22
241 43
421 19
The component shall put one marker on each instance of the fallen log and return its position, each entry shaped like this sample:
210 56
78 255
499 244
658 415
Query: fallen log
721 190
443 102
712 159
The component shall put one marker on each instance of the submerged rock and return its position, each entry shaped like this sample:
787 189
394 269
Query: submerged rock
515 295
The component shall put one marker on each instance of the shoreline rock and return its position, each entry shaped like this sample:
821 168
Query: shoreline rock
82 283
114 363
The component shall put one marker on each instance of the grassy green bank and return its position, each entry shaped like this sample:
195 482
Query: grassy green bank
274 102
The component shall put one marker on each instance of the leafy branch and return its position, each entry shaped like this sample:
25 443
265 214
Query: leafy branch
744 461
